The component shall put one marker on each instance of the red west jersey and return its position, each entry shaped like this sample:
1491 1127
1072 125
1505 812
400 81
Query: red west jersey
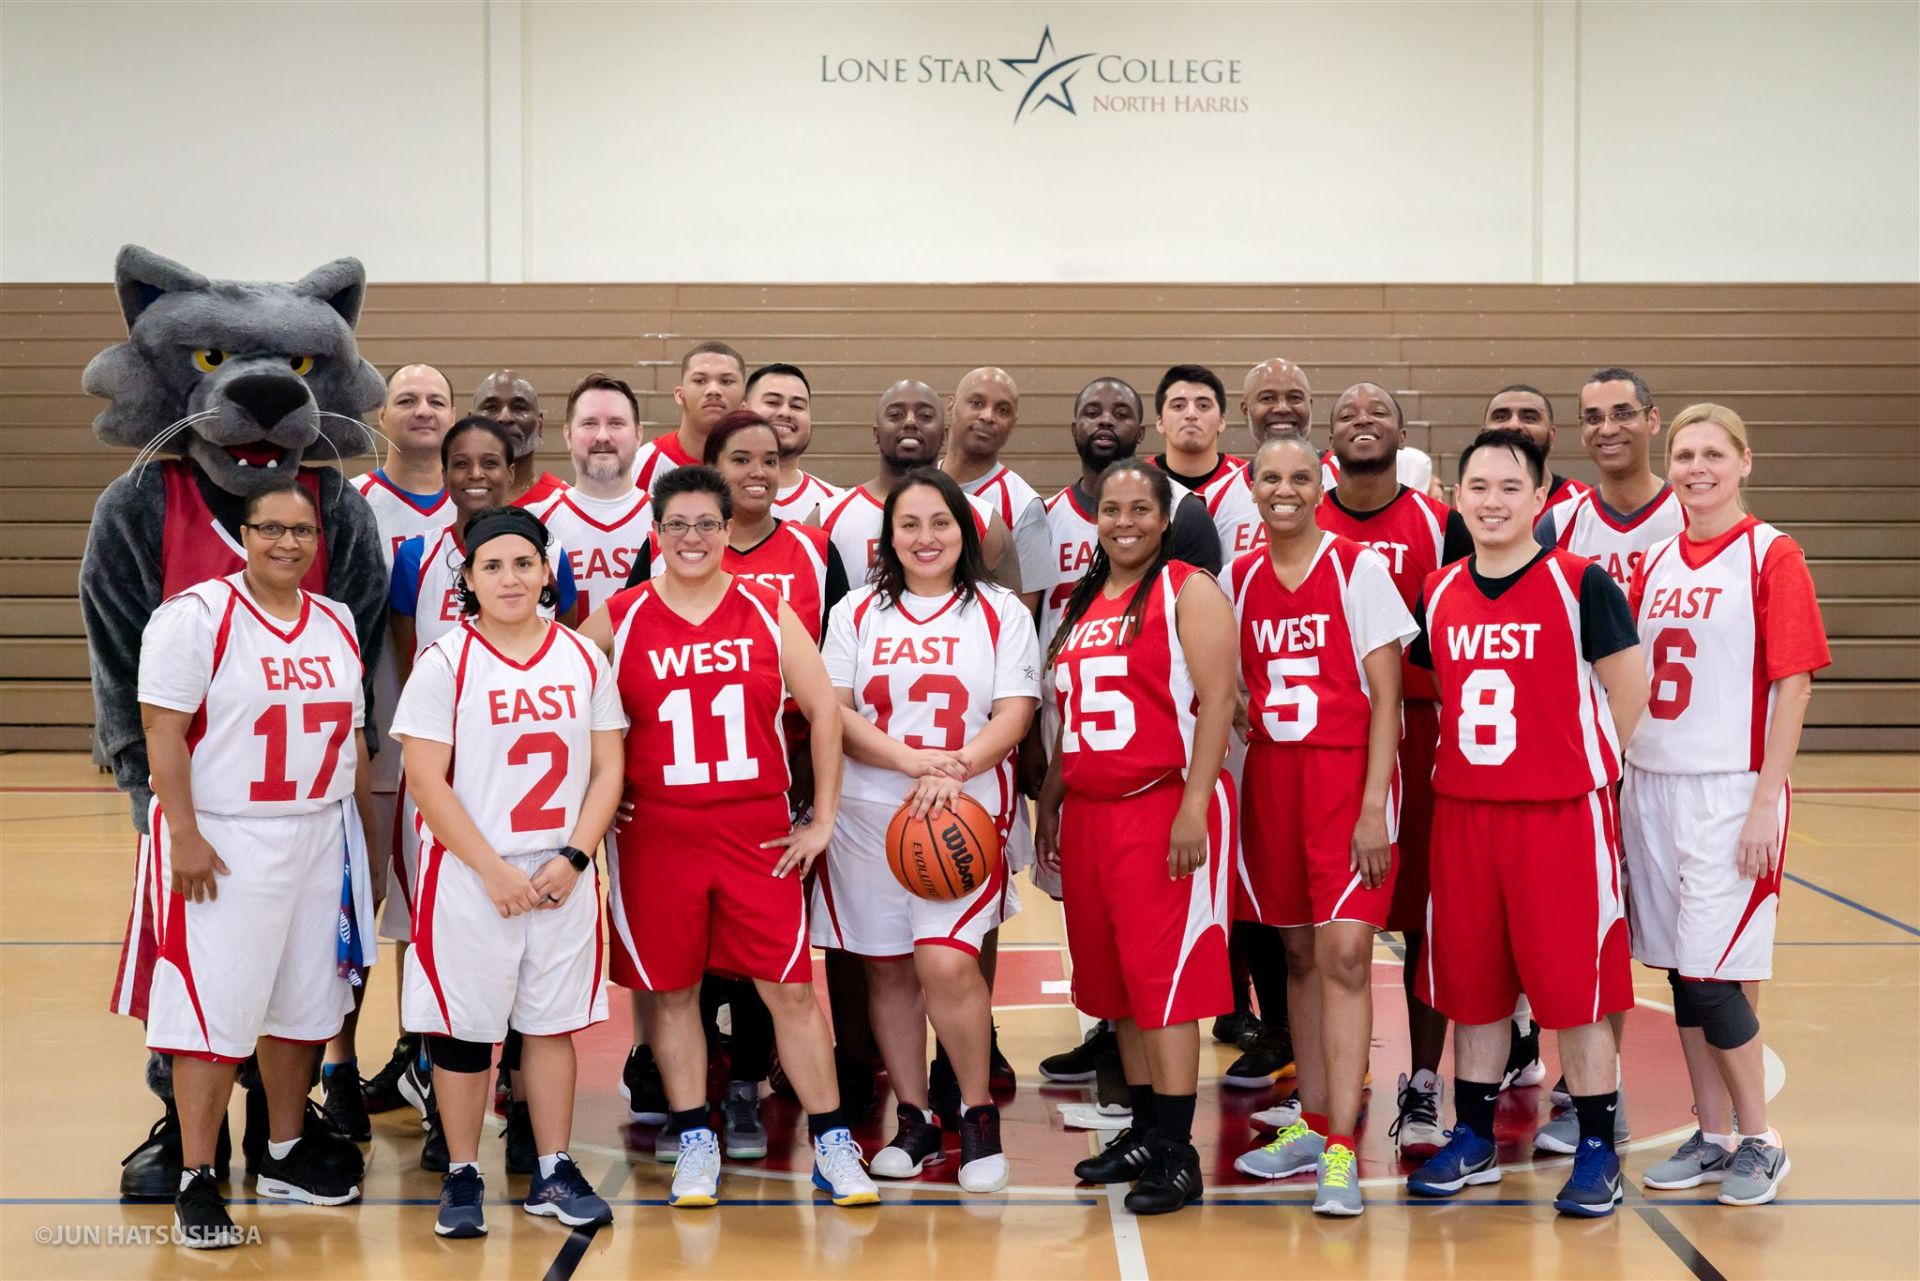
1411 532
1127 709
1523 716
703 699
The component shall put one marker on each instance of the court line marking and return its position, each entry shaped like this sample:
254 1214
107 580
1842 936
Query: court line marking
1673 1238
1858 907
992 1199
574 1248
1130 1256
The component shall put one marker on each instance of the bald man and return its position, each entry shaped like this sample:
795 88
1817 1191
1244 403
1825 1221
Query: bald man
982 413
1276 401
909 430
713 383
408 497
509 399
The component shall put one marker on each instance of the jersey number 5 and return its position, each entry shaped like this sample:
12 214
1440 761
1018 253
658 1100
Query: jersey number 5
1303 699
1080 705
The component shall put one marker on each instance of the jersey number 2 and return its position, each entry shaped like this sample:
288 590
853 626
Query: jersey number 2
534 813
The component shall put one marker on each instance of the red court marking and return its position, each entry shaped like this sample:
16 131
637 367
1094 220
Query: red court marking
55 791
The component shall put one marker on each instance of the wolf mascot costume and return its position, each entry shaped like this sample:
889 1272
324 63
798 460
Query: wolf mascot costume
223 386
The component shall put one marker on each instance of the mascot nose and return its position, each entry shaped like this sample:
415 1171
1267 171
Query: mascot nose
267 397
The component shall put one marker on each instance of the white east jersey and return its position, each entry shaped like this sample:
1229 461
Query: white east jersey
437 610
522 732
1023 512
1584 526
397 515
805 499
853 524
1229 500
656 458
275 704
603 538
1074 534
1711 703
927 674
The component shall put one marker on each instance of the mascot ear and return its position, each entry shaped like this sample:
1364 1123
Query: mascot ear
142 277
341 284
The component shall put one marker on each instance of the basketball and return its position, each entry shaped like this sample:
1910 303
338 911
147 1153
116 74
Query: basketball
946 855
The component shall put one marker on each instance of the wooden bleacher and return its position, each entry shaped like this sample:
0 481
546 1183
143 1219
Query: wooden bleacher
1827 377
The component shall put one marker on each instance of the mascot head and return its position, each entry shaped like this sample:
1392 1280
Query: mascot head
245 379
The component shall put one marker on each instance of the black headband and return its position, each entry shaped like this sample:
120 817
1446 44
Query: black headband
496 522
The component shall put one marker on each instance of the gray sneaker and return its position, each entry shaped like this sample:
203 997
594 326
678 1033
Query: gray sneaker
666 1145
1753 1177
1697 1162
1295 1150
1561 1133
1338 1192
745 1137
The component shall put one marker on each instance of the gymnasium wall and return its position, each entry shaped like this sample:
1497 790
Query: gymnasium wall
508 141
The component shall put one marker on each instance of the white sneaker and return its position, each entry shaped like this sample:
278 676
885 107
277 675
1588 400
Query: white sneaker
1277 1118
1416 1131
696 1175
837 1170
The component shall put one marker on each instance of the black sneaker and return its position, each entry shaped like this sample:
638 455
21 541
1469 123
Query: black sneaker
346 1104
382 1091
983 1165
324 1142
304 1174
200 1216
642 1088
1523 1060
463 1199
943 1091
915 1143
1078 1064
1110 1088
433 1152
151 1172
1121 1161
1267 1059
1000 1077
1170 1180
521 1157
1233 1029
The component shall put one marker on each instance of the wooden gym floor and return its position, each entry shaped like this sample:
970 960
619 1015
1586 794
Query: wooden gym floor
1840 1018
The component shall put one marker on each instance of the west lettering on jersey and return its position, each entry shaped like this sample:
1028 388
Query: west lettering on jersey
1307 631
1681 602
1395 553
541 703
1491 641
702 658
914 649
284 673
1095 633
782 583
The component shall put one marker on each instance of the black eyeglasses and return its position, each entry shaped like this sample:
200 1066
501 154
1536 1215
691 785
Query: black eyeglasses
273 531
706 527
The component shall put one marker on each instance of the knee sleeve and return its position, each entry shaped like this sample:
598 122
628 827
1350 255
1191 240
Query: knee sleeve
456 1055
1684 1015
1726 1016
510 1051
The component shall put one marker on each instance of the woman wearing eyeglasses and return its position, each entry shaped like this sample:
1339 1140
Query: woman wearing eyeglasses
251 701
714 878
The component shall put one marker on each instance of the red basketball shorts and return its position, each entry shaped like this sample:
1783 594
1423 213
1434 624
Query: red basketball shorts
1144 945
1419 735
1298 809
1526 897
692 891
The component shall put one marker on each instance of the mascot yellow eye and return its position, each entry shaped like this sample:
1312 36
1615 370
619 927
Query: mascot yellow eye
208 359
302 365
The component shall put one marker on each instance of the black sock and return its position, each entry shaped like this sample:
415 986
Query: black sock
818 1123
1596 1113
1145 1107
1173 1117
700 1118
1473 1104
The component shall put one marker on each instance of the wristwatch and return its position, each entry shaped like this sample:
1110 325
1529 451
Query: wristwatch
579 858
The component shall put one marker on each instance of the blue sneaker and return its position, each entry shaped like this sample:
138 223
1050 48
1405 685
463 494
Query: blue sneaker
1466 1159
567 1196
1595 1187
462 1205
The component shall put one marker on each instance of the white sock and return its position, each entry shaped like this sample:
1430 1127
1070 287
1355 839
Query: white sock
548 1164
1522 1014
278 1151
928 1113
454 1167
1724 1141
1770 1137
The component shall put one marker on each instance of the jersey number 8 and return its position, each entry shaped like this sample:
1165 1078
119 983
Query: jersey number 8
1488 730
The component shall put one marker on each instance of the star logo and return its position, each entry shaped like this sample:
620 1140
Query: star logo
1049 72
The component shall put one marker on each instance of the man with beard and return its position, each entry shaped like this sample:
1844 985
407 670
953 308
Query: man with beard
1108 422
909 430
603 518
782 395
713 383
1417 535
510 400
983 411
1527 409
